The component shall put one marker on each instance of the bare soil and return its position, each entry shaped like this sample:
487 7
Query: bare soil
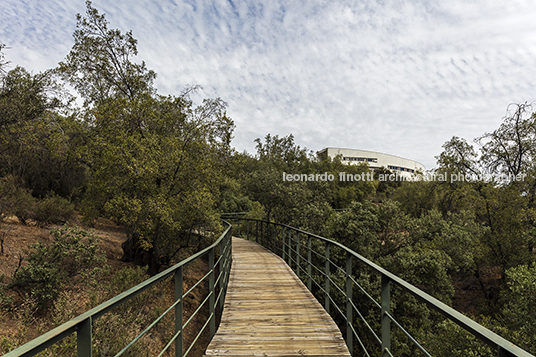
16 239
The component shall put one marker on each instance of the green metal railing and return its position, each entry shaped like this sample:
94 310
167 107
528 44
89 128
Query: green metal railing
217 287
315 258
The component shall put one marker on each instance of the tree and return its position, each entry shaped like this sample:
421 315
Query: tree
3 62
37 137
25 97
519 311
159 181
99 65
303 204
281 153
458 157
510 149
153 161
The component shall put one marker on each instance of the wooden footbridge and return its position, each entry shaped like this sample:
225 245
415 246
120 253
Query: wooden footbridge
269 312
264 294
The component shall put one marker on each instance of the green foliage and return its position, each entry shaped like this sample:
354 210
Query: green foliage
116 329
281 153
73 254
256 212
53 209
154 162
36 140
99 65
25 97
5 298
510 148
357 229
458 157
15 200
449 339
519 311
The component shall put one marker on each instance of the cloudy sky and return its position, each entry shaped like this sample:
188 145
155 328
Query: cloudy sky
400 77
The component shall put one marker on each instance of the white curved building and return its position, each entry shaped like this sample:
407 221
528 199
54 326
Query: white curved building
375 160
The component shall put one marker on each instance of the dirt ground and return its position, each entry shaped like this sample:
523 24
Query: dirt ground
16 238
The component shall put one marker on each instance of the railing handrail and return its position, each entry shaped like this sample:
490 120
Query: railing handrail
469 325
49 338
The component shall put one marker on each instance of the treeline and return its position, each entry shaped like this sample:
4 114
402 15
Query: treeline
149 162
467 236
162 167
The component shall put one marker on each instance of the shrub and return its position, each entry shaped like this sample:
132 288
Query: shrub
15 200
53 209
73 255
18 201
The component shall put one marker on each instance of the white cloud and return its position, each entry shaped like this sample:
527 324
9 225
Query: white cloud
398 77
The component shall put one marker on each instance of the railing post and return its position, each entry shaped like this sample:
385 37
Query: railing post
273 237
284 244
309 271
221 269
211 290
262 233
229 260
288 242
247 230
349 309
385 320
326 280
178 312
257 231
298 254
84 347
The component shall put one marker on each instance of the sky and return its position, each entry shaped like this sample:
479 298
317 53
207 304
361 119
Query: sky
398 77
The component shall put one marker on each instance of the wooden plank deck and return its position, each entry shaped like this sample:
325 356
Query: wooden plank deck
269 312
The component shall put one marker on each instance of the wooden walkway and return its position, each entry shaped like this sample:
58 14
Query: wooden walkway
269 312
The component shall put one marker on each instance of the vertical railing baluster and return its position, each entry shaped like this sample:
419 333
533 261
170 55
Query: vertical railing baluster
84 347
178 311
247 229
211 290
385 320
349 309
326 281
309 271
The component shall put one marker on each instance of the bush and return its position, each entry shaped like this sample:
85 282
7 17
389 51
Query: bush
53 209
18 201
15 200
73 255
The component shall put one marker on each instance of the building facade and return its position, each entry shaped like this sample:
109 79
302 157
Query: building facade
374 160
